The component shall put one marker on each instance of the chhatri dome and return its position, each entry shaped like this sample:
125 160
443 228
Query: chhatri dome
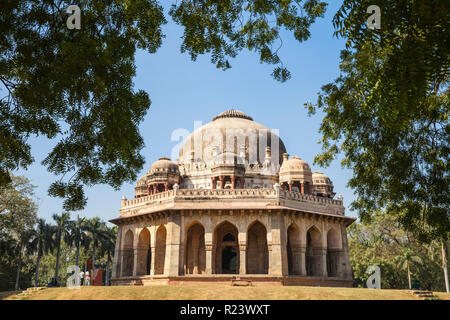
232 204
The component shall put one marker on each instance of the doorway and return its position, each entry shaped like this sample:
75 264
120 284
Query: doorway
229 260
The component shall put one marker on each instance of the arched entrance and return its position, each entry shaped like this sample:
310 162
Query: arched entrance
257 252
226 249
293 250
229 260
313 252
333 249
160 250
144 253
127 254
195 258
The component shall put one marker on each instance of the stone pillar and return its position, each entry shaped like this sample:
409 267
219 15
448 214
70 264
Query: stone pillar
303 261
309 188
135 264
208 248
172 258
222 180
346 272
242 238
152 261
278 265
117 255
166 186
324 262
233 182
302 187
290 187
213 182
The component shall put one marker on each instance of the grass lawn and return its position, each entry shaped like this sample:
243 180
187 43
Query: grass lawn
207 292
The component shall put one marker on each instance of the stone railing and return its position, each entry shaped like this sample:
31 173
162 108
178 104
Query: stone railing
214 194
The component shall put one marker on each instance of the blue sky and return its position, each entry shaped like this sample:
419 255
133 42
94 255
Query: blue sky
183 91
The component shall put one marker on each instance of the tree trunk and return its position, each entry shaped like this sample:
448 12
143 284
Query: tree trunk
58 252
19 266
409 277
93 255
78 252
37 268
444 265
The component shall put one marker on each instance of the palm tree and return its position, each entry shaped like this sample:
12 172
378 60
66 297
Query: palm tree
95 227
22 244
62 224
108 238
42 241
405 260
77 235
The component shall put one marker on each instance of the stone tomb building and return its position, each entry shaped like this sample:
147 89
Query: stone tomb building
232 207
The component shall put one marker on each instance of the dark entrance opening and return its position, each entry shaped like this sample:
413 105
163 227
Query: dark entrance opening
149 260
229 260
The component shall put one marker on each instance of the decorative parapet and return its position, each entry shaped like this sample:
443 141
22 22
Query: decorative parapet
244 198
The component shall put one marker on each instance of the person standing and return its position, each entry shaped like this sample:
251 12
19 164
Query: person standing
87 279
81 278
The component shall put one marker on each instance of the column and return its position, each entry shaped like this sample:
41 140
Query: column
152 261
303 261
222 180
290 186
117 255
324 262
278 265
233 183
242 238
135 264
166 186
309 188
302 186
172 259
213 182
208 248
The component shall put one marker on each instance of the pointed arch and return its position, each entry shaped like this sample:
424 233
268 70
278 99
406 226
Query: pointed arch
257 255
225 248
160 249
313 252
195 253
128 254
333 250
144 253
293 249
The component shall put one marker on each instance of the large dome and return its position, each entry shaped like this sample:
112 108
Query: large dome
232 132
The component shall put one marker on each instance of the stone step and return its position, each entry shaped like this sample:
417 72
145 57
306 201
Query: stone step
241 283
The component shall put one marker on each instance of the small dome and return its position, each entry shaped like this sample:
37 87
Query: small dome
294 164
319 178
142 181
163 164
295 169
322 185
